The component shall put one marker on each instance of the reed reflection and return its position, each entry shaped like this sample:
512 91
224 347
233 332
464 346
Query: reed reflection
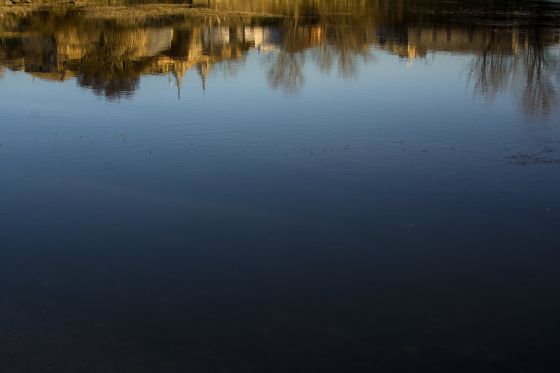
108 49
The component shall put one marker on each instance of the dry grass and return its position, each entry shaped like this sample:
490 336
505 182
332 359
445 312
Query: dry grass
132 12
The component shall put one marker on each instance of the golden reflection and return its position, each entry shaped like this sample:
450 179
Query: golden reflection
108 48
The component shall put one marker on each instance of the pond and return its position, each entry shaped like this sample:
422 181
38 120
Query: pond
280 186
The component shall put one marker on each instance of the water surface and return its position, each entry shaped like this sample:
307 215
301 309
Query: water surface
312 186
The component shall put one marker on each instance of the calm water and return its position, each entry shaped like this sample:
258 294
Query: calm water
276 186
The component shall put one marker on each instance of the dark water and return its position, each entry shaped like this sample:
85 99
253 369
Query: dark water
313 186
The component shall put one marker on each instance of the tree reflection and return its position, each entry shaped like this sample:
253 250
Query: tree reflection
286 68
108 50
525 61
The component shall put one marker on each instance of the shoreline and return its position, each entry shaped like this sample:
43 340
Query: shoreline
130 11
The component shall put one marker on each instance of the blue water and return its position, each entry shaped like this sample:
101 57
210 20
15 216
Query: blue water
394 220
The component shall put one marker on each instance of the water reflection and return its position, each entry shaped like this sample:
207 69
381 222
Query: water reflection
513 47
521 61
382 225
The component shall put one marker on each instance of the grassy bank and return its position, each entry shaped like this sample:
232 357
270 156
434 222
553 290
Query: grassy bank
139 11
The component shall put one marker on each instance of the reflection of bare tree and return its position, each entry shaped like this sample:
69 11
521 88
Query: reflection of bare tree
541 69
286 69
343 49
519 61
348 49
324 57
334 41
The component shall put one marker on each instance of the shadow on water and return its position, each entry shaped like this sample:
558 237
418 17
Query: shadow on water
109 49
